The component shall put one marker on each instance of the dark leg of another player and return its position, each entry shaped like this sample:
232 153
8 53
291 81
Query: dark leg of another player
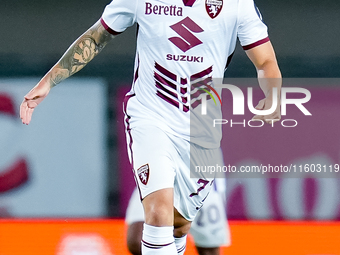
134 237
208 251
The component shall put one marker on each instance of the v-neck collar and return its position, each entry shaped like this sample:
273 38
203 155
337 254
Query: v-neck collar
189 3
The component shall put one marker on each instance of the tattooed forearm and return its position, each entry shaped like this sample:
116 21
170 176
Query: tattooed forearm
84 52
58 75
81 52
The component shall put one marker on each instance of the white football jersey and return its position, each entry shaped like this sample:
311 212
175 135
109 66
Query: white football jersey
181 46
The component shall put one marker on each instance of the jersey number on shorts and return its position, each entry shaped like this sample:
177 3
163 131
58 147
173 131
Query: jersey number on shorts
204 183
212 213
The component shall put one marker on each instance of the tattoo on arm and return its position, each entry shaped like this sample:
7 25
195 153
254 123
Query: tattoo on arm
58 75
81 52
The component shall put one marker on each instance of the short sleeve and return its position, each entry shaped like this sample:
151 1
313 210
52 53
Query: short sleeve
119 15
251 29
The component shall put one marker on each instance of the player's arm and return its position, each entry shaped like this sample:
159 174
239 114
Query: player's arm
81 52
269 76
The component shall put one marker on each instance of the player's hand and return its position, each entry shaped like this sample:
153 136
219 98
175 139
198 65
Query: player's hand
32 100
266 104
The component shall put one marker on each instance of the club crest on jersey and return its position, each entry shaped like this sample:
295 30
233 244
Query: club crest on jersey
143 173
213 7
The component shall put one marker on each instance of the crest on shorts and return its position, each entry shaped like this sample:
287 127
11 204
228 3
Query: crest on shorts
143 173
213 7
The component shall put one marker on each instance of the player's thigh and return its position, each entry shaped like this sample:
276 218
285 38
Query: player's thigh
134 218
159 208
181 225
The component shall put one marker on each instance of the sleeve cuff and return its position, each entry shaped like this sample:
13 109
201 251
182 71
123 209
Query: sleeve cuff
108 29
255 44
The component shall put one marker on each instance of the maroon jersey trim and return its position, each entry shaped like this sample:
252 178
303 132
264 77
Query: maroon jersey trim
255 44
189 3
108 29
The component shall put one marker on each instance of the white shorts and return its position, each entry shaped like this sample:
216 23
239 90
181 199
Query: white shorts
209 228
161 160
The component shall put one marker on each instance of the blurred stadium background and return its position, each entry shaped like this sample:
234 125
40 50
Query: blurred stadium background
65 179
